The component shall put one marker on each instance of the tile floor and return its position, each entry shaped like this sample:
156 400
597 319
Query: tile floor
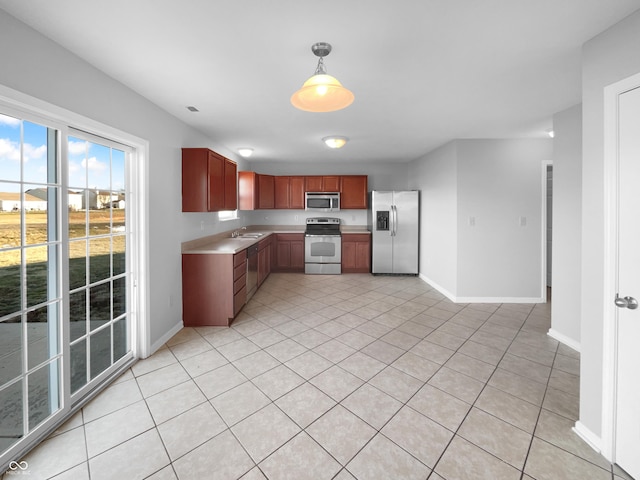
340 377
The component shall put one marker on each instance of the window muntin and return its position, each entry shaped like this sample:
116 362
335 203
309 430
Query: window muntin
30 292
97 257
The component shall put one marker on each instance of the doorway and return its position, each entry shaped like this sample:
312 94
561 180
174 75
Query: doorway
546 181
549 226
69 249
621 388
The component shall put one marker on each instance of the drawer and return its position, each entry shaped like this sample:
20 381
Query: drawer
356 237
239 299
239 283
264 243
239 257
289 237
239 271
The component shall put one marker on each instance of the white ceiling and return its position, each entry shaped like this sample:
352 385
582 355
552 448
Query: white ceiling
423 71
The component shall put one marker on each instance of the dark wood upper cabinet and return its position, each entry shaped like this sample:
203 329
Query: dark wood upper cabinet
289 192
296 193
256 191
353 192
266 191
230 185
322 183
208 181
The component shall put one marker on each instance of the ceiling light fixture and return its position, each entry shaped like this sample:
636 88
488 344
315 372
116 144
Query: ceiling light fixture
322 92
335 141
245 152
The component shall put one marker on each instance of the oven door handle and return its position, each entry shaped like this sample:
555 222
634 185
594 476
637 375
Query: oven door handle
321 235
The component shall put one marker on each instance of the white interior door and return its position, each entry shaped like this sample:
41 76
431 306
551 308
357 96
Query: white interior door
627 432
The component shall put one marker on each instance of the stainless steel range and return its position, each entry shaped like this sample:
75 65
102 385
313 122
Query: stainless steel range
323 246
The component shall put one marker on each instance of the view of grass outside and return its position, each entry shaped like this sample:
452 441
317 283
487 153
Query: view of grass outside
100 249
33 255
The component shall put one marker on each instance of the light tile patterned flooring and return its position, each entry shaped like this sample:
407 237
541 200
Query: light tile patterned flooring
340 377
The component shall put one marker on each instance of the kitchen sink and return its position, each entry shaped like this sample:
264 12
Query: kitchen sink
250 235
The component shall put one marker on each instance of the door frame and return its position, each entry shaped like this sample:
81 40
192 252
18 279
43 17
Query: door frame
46 113
610 317
543 235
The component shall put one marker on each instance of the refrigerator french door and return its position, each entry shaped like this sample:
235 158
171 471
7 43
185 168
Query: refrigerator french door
395 229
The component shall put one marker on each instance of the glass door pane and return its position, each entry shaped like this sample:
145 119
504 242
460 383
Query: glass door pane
30 293
97 257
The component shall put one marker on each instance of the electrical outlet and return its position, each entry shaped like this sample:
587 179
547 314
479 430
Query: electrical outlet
202 225
472 221
295 218
523 221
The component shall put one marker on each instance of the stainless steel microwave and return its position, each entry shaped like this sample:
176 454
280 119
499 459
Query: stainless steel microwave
322 201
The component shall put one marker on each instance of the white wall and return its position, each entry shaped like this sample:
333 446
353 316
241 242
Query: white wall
435 175
34 65
492 184
607 58
500 183
567 225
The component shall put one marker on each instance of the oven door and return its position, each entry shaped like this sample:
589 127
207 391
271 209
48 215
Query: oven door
322 249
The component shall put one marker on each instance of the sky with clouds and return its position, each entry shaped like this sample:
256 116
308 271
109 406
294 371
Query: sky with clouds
90 165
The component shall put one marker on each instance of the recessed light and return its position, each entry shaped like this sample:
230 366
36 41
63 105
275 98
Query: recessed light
191 108
245 151
335 141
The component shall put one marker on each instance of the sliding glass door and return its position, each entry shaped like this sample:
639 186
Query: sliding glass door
65 272
97 260
30 281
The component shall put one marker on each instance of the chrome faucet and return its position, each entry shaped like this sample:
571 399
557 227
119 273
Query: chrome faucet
236 233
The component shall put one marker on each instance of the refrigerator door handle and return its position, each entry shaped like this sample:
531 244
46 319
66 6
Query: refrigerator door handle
394 211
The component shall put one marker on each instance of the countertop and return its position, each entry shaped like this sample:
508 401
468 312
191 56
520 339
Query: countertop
225 244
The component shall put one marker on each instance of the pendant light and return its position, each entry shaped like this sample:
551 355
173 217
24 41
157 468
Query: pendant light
322 92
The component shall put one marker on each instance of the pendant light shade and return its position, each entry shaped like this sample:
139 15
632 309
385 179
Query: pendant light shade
322 92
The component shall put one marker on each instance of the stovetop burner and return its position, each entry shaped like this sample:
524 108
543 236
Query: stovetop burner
323 226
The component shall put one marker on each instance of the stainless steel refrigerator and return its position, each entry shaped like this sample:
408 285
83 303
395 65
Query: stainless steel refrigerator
395 226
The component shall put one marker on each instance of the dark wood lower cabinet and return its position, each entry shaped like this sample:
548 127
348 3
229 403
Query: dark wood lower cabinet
356 253
214 288
264 259
289 252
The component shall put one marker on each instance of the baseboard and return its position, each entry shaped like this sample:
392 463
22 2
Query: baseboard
440 289
500 300
569 342
590 438
165 338
456 299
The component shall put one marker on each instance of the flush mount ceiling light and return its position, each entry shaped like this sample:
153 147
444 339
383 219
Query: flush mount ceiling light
335 141
322 92
245 151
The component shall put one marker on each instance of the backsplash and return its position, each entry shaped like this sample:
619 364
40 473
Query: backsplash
298 217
